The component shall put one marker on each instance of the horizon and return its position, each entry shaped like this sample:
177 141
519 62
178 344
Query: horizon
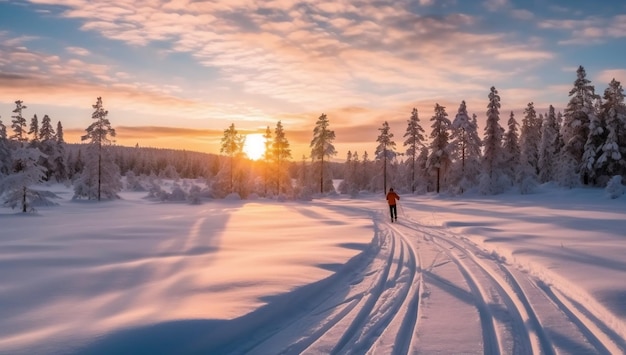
175 75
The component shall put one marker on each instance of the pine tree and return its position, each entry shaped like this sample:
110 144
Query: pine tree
511 147
5 152
280 154
322 145
100 177
548 147
34 129
612 159
385 151
232 145
60 138
493 157
18 124
267 158
465 145
439 158
414 140
592 148
48 146
530 138
576 124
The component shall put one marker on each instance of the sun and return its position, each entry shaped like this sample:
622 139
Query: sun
254 146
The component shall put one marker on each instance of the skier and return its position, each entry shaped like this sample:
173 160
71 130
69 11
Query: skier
392 197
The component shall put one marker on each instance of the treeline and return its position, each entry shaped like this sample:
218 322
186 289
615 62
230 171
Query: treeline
585 144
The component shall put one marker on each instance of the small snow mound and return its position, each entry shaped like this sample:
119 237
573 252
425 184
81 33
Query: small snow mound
615 188
233 196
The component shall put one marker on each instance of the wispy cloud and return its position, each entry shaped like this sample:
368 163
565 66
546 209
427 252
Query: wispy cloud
589 30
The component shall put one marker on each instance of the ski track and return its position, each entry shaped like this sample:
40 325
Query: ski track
374 307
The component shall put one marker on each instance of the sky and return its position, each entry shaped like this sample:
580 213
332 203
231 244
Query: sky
530 274
176 74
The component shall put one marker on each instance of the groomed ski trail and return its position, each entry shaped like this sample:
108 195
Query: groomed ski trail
415 283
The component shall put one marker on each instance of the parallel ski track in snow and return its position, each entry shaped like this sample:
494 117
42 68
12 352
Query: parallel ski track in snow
375 311
374 307
524 333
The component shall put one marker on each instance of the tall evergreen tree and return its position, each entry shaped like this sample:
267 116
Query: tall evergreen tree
439 158
576 120
18 124
414 141
530 138
493 156
548 147
511 146
59 135
100 177
34 129
386 150
322 145
612 159
465 144
232 145
281 153
267 157
5 152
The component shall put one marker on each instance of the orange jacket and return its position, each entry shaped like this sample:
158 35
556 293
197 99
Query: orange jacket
392 196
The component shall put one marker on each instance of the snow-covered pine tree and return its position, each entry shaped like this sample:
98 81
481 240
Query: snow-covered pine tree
59 135
321 147
414 141
5 152
530 137
47 145
18 124
593 145
575 130
385 151
34 129
548 147
493 180
439 159
100 177
465 145
281 153
612 159
267 159
232 145
25 172
511 148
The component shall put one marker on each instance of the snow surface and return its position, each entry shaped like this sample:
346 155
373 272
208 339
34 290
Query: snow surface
539 273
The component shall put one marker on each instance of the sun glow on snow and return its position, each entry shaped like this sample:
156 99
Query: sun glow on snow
254 146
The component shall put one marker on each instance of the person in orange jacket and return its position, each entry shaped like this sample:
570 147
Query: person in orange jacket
392 197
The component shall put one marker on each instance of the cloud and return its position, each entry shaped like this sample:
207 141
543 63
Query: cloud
605 76
78 51
590 30
305 53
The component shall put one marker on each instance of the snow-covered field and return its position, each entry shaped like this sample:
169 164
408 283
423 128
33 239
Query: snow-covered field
540 273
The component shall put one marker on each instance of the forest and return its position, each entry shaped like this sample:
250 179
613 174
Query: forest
583 145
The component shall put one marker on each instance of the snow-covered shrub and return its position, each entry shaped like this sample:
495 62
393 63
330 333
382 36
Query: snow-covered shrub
615 188
233 196
133 183
195 195
177 194
26 172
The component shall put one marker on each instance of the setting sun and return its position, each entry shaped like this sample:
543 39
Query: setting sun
254 146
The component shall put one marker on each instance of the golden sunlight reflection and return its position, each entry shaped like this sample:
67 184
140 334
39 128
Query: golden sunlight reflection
254 146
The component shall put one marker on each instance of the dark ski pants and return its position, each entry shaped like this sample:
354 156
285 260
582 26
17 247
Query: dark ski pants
394 211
